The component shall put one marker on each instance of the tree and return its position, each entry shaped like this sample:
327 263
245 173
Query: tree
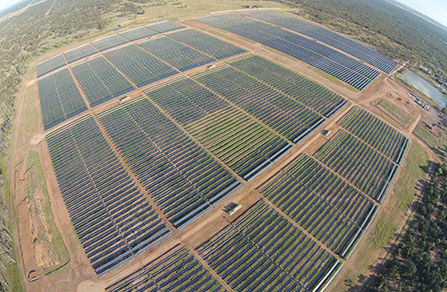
410 268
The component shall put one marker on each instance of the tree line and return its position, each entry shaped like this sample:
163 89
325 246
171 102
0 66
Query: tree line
419 263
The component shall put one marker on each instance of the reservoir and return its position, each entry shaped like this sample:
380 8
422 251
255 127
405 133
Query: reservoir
426 88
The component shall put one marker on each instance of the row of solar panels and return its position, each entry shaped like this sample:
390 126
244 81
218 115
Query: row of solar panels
103 44
138 65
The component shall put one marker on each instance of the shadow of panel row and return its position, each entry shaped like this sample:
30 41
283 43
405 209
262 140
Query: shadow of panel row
280 112
334 212
112 219
243 144
335 40
181 177
100 81
376 133
263 251
176 270
317 97
339 65
60 98
359 163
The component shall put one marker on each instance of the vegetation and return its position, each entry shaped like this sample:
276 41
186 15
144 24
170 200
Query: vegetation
396 32
426 137
395 111
9 277
420 261
54 254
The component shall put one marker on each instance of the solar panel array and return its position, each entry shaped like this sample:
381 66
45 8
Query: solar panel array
111 217
207 44
231 135
376 133
50 65
164 26
178 270
175 53
100 81
329 60
109 42
335 40
187 143
115 40
282 113
147 63
263 251
303 90
80 53
322 202
359 163
138 33
60 98
178 174
138 65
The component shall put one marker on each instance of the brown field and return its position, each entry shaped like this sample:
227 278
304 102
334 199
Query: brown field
38 206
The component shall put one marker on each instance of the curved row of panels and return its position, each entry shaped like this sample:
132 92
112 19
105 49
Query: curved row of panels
335 40
88 49
121 70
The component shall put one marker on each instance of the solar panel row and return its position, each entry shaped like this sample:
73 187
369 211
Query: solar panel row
112 219
339 65
335 40
178 174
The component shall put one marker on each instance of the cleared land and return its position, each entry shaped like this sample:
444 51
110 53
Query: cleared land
426 136
395 111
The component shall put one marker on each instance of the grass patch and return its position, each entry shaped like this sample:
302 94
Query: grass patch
426 137
12 270
443 148
49 237
404 190
395 111
383 232
334 79
417 160
402 71
30 117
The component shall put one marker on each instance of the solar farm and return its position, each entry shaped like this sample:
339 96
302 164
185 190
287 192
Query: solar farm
152 132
